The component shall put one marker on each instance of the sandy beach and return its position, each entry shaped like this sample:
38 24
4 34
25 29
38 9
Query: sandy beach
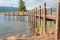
25 37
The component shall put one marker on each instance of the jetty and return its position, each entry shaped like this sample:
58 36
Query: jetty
35 16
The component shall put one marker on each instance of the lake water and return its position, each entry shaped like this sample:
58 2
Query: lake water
10 27
16 27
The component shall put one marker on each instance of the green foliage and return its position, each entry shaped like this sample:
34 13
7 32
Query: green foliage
21 6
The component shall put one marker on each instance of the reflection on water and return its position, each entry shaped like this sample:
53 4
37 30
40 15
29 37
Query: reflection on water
10 27
13 27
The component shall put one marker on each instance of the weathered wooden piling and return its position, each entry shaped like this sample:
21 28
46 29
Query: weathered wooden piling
13 16
32 16
5 15
44 19
8 16
29 16
40 15
36 17
22 16
38 31
17 16
51 21
57 30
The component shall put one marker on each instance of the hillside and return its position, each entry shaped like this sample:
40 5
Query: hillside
8 9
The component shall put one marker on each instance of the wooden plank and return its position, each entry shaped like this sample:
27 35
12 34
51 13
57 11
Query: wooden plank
48 17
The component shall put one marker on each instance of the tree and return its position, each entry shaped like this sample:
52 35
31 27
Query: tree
21 6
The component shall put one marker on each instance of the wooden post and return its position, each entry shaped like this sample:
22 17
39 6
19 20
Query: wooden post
57 30
36 21
13 16
44 19
32 17
28 16
17 16
23 16
36 17
39 21
50 22
40 16
51 11
9 16
5 15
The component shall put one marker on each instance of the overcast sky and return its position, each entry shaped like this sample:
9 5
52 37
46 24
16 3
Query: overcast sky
29 3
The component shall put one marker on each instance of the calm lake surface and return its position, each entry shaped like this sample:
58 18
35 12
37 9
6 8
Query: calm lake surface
16 27
10 27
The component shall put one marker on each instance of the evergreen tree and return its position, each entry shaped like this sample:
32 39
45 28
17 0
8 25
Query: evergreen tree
21 6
